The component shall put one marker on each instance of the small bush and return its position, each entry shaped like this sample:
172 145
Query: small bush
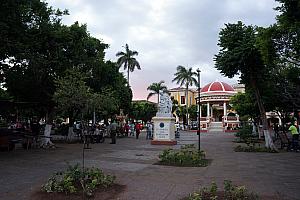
244 133
74 180
186 156
230 192
253 148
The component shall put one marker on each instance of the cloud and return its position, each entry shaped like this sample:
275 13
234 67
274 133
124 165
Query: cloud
166 33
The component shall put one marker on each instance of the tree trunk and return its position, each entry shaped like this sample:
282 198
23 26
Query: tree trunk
186 104
46 141
128 75
268 140
157 99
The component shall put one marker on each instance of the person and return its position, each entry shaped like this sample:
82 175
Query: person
126 128
295 137
149 131
137 130
97 134
131 129
276 130
35 128
113 131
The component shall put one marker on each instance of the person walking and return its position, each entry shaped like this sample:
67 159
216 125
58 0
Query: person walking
149 131
113 131
137 130
131 129
126 128
295 137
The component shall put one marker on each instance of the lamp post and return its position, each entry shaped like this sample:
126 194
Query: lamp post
199 125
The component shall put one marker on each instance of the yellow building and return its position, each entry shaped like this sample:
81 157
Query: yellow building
179 95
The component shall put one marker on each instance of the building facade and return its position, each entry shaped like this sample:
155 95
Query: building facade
214 97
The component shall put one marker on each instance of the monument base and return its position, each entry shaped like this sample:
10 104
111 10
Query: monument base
164 131
157 142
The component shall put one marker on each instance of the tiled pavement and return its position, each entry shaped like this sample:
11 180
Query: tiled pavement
131 160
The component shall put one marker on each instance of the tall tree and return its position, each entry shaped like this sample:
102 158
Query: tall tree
144 111
155 88
187 78
287 35
72 96
240 54
128 60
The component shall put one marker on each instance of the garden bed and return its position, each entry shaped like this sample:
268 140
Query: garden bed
76 183
253 148
101 193
229 192
187 156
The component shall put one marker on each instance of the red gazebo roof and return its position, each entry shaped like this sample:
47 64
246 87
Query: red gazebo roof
217 87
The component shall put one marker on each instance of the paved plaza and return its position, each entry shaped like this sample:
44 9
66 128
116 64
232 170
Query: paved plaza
131 160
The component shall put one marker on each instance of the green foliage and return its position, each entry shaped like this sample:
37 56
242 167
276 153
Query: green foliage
193 112
251 147
4 95
128 60
37 50
141 110
186 156
244 104
74 180
231 192
72 94
155 88
185 76
244 133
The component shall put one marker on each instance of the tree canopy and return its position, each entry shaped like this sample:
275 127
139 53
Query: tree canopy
128 60
37 49
155 88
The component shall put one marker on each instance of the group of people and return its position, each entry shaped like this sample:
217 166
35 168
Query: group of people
32 126
127 128
130 129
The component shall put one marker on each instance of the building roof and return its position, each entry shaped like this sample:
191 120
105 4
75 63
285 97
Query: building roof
217 87
181 89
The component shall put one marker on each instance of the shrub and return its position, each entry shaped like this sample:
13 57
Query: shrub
253 148
186 156
74 179
230 192
244 133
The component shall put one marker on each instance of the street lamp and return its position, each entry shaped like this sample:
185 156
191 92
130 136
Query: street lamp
199 125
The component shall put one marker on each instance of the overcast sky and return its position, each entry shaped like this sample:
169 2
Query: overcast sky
166 33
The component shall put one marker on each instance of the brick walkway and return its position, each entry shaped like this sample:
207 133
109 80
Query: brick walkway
22 172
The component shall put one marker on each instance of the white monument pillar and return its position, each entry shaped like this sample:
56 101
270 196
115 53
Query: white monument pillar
225 109
164 122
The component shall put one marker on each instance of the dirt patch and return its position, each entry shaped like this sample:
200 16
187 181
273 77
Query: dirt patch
100 194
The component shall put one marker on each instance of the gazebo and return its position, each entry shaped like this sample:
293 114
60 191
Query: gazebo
215 96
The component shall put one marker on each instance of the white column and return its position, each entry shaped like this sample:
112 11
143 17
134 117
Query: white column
200 111
208 110
225 109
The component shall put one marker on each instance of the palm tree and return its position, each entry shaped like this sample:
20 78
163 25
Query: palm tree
155 88
127 60
185 77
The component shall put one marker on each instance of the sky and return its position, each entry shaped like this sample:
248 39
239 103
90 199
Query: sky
166 33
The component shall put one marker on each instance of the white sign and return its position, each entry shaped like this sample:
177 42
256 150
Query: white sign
162 131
